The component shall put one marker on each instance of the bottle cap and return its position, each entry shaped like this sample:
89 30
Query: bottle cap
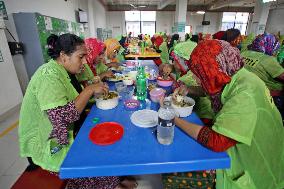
167 103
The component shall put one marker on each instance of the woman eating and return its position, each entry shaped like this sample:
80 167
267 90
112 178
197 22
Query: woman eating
260 60
50 107
247 124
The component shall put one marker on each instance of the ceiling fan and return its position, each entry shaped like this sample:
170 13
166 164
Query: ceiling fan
135 7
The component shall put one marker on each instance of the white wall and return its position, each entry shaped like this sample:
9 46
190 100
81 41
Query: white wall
45 7
275 21
10 93
55 8
97 17
116 22
195 21
164 21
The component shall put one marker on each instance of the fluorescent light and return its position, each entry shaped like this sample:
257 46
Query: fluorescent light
200 12
266 1
142 6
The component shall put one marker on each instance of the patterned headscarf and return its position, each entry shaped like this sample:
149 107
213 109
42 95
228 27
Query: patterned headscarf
111 45
265 43
214 62
94 48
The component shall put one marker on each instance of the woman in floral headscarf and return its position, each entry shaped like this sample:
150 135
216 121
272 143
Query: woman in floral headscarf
181 56
247 125
100 56
95 57
259 59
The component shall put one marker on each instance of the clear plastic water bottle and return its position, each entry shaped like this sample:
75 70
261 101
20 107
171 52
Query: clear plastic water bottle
165 129
141 84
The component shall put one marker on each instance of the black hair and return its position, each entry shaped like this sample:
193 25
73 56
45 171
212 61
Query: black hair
186 36
194 38
65 42
174 38
231 34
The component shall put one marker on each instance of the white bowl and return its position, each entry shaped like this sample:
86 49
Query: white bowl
128 82
107 104
132 75
184 111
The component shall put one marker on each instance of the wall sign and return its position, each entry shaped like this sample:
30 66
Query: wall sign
3 12
1 57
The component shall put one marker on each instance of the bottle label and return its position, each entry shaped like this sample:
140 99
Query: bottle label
166 123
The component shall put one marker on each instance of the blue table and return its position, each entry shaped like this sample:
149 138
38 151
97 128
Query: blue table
138 152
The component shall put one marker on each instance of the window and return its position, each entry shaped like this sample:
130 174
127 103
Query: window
238 20
140 22
188 29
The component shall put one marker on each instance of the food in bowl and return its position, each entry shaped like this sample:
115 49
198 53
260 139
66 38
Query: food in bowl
108 101
120 68
110 95
164 83
181 101
132 75
116 77
183 105
127 80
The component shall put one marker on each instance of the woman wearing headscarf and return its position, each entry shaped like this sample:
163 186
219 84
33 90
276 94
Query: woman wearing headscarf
181 55
219 35
106 58
259 60
161 47
112 52
173 42
233 36
96 58
50 107
247 124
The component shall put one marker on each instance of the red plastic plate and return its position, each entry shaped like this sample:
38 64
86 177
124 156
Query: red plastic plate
106 133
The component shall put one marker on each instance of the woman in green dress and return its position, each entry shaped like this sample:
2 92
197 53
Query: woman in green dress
260 59
50 107
247 124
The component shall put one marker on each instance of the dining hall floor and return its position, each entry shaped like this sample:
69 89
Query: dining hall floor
12 165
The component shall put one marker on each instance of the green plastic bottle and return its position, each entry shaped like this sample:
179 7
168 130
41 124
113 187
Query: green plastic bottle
141 82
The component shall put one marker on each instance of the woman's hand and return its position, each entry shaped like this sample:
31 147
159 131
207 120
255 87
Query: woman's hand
83 98
108 74
182 91
99 88
113 64
176 66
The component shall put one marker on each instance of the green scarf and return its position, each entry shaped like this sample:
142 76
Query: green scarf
184 49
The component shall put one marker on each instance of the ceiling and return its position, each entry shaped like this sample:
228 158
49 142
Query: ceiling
193 5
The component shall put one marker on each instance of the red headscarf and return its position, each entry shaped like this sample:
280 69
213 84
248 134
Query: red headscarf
158 41
219 35
214 62
94 48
